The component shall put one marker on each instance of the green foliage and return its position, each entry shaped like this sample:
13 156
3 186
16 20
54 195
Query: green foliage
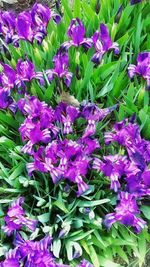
106 85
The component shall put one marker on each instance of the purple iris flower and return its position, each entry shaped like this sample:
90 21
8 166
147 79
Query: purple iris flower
126 213
12 259
16 218
92 113
66 114
142 68
41 15
36 253
103 43
7 77
113 167
26 72
76 32
133 2
61 64
85 263
7 25
5 99
24 26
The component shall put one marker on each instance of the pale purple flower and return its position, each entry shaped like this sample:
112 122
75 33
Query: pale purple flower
85 263
16 218
76 32
103 43
7 77
142 68
61 65
126 212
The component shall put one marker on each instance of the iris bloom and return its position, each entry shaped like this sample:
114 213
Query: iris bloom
66 115
12 259
113 167
103 43
8 26
16 218
7 77
92 113
126 213
76 32
26 72
142 68
61 65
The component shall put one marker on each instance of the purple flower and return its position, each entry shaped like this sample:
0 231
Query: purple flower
24 26
76 32
5 99
7 25
61 64
103 43
66 115
133 2
40 15
92 113
85 263
113 167
26 72
7 77
12 259
126 213
142 68
36 253
16 218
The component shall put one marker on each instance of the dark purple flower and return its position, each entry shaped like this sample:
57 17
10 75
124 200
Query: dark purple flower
142 68
16 218
61 64
126 213
133 2
7 25
103 43
76 32
24 26
5 99
12 259
66 115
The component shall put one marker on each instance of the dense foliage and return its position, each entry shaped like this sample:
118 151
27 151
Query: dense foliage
74 135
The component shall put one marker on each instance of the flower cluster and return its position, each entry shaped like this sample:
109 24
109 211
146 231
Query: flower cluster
16 78
28 25
142 68
127 171
46 132
28 252
100 40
